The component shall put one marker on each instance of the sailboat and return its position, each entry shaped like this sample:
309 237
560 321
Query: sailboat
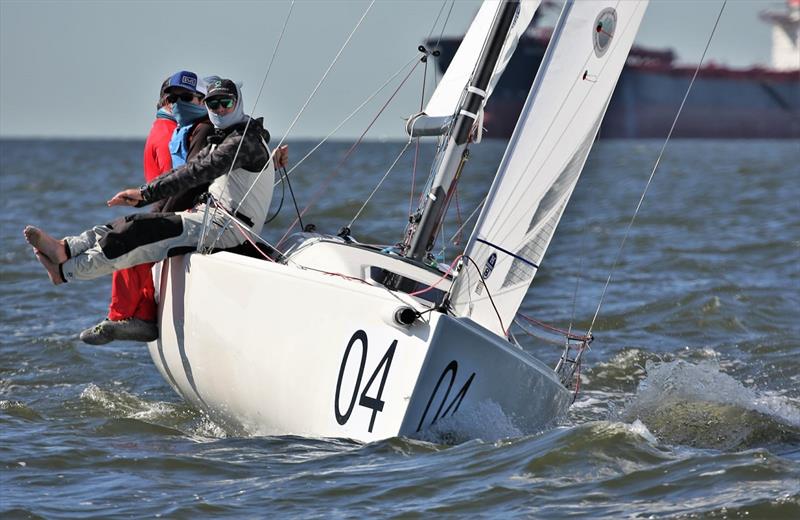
332 338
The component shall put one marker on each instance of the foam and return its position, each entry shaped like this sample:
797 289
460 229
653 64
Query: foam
483 420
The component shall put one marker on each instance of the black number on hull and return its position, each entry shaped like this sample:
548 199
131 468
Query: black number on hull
373 403
452 369
361 336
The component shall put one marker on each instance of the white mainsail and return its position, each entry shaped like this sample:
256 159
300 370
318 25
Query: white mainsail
444 100
544 158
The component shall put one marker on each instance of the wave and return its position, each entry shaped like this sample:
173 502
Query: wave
169 417
697 405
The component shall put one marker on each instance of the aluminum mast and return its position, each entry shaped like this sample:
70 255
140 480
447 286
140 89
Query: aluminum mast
424 235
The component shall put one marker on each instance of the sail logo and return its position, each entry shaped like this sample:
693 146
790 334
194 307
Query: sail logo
489 267
603 30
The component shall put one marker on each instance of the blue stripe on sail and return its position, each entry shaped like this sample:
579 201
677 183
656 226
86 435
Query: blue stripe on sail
509 253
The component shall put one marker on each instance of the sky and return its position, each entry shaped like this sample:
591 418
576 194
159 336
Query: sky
81 69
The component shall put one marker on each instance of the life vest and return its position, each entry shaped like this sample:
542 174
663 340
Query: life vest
246 194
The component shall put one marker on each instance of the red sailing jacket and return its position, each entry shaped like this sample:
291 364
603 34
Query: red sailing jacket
157 159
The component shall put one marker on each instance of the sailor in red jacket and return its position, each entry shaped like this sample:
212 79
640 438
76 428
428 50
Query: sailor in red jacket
132 312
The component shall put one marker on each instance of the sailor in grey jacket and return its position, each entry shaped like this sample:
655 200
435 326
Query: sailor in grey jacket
237 162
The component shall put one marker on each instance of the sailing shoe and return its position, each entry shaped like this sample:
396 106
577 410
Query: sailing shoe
131 329
97 335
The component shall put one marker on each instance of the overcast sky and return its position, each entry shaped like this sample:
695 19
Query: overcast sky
93 68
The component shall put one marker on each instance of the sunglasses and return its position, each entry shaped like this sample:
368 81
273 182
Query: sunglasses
172 98
214 104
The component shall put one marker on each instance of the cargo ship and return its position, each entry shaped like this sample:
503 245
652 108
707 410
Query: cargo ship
727 103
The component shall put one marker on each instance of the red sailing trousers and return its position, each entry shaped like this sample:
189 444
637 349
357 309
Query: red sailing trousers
132 294
132 290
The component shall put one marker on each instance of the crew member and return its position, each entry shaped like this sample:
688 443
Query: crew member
238 165
132 311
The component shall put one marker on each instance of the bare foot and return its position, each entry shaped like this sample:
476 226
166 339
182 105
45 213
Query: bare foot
52 268
55 250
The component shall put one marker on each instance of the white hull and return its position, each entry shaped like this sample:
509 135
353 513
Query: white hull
275 349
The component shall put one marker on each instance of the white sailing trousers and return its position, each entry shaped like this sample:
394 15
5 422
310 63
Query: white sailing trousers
142 238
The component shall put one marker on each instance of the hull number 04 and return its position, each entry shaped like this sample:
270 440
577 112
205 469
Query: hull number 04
374 403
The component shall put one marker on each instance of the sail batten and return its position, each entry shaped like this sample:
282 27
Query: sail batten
544 158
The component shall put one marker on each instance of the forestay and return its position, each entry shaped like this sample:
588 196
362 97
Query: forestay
544 158
444 101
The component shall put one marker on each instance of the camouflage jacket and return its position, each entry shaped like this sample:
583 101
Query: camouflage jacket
213 162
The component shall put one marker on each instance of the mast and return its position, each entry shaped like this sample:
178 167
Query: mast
446 176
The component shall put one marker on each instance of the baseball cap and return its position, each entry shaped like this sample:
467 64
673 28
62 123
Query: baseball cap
219 87
183 79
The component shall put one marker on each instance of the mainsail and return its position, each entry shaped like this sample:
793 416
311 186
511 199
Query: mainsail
544 158
444 101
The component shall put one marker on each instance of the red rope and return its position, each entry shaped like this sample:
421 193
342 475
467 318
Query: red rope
246 235
459 235
340 275
565 333
430 287
336 170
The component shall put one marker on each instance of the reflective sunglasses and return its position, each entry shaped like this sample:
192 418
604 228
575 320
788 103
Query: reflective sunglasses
172 98
214 104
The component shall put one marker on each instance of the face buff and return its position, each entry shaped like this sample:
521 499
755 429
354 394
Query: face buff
162 113
237 116
187 113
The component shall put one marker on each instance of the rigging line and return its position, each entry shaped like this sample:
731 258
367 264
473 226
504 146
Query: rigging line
336 170
438 40
447 19
488 292
539 336
413 179
255 104
263 82
283 196
655 166
578 276
469 218
244 230
439 280
441 10
437 156
325 75
358 213
453 188
294 199
457 241
353 113
444 244
250 240
310 97
550 328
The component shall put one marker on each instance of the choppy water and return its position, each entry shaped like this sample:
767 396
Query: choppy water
691 394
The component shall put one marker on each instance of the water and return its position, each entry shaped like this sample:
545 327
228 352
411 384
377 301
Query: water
690 402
